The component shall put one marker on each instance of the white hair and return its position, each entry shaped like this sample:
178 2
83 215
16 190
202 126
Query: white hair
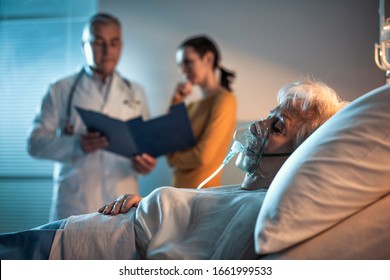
312 102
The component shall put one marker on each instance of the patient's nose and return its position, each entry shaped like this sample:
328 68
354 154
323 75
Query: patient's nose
259 128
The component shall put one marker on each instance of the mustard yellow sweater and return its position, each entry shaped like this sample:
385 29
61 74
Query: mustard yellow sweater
213 121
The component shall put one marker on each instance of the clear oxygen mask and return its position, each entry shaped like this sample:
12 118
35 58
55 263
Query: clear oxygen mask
255 138
245 140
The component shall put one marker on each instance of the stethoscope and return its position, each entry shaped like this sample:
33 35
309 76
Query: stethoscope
69 128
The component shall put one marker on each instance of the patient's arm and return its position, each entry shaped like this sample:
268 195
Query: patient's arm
121 205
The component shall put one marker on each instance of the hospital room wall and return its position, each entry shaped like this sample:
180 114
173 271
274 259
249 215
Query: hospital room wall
268 43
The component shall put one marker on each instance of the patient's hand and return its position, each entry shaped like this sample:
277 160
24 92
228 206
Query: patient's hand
121 205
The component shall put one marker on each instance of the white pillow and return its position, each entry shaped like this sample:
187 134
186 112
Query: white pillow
341 168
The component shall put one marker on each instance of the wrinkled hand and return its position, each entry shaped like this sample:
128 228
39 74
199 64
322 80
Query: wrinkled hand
181 92
93 141
121 205
144 163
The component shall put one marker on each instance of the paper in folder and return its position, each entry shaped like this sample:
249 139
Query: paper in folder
159 136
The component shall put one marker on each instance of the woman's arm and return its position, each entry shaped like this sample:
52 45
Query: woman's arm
219 128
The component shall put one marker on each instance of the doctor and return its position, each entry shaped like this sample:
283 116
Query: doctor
86 176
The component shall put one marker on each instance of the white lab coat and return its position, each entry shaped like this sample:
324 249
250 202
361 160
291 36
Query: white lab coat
84 182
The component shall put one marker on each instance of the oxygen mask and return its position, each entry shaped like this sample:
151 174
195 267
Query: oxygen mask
249 142
254 139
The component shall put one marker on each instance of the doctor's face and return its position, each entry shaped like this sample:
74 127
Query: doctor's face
103 47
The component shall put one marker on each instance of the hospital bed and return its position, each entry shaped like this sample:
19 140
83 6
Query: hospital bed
330 200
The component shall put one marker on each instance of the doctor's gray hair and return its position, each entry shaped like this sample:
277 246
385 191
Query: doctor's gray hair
311 102
100 18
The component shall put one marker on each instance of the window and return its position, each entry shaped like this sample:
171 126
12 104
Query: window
40 41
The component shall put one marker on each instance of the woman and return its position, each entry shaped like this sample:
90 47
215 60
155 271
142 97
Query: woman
213 118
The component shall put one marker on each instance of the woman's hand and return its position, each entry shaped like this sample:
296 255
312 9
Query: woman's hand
181 92
144 163
121 205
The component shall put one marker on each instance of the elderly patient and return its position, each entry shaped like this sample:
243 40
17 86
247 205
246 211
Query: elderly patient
303 107
216 223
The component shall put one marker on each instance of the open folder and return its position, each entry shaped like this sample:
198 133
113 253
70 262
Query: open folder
159 136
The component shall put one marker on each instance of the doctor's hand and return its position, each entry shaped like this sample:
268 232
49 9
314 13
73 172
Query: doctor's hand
93 141
144 163
181 92
121 205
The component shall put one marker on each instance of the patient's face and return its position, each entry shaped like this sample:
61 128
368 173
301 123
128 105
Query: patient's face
281 134
281 125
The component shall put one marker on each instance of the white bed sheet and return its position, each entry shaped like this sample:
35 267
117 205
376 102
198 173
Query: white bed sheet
206 224
170 223
96 237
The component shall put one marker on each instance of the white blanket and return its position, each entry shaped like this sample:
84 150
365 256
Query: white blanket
170 223
96 237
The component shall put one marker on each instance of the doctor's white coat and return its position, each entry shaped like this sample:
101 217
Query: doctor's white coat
85 182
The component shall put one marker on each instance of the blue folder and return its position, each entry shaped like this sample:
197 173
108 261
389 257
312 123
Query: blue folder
159 136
